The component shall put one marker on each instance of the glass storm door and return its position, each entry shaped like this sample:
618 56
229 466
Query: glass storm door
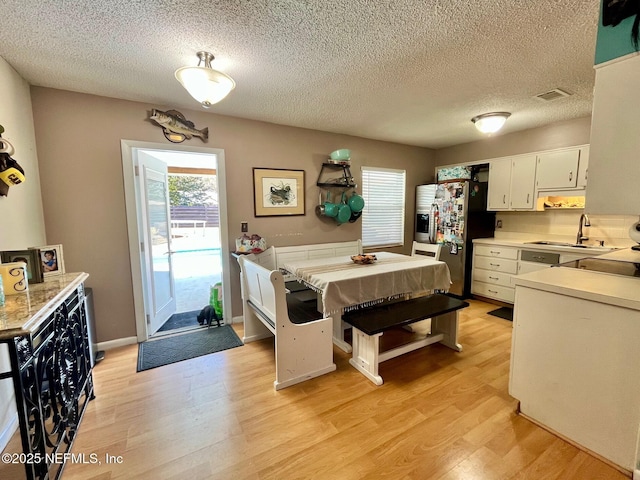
155 226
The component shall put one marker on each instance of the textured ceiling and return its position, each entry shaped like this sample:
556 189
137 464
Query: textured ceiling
406 71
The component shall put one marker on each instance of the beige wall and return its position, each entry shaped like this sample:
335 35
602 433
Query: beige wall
20 211
78 139
556 135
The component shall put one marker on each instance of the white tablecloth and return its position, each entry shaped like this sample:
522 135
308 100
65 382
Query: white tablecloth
345 285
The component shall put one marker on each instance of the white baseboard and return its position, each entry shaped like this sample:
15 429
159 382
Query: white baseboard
118 342
238 319
636 474
8 431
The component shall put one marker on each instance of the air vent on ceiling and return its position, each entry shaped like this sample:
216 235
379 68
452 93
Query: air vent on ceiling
552 94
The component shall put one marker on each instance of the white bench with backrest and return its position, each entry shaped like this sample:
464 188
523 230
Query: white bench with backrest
303 339
274 257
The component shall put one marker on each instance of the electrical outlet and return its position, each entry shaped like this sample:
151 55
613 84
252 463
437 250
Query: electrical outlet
499 224
244 227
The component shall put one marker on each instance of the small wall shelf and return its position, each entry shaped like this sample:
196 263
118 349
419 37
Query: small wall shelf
328 169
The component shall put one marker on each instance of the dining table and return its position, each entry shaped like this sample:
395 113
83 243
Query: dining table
344 285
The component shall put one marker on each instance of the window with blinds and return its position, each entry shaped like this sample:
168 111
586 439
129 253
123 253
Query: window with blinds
383 190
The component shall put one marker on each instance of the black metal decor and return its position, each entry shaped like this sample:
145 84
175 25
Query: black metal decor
51 371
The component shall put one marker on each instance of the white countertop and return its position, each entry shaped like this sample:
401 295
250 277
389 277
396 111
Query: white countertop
589 285
548 248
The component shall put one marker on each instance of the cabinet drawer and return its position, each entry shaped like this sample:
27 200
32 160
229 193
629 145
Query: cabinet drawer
495 264
539 257
498 292
494 251
494 278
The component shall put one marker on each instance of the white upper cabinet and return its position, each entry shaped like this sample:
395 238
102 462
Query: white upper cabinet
558 170
583 168
499 184
614 164
523 179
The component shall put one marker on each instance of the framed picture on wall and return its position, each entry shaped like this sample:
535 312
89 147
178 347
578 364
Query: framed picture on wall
31 258
51 260
278 192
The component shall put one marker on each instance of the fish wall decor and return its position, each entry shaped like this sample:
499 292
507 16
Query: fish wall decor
176 127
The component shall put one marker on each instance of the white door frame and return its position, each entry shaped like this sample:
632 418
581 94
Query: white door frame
127 147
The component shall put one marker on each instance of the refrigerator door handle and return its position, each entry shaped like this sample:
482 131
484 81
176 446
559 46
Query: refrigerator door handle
433 222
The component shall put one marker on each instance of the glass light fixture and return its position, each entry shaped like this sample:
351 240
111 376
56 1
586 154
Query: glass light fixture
206 85
490 122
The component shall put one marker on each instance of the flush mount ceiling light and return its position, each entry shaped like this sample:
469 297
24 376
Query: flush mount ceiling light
206 85
490 122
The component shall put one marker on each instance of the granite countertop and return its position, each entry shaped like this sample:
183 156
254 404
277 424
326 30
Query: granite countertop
23 313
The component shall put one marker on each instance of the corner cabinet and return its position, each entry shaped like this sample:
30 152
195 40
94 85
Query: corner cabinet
558 170
615 142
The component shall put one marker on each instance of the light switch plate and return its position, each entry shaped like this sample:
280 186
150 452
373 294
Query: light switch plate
244 227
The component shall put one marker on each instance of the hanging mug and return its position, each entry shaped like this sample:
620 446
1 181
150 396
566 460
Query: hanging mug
14 277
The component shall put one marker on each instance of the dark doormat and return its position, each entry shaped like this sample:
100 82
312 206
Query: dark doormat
180 320
503 312
156 353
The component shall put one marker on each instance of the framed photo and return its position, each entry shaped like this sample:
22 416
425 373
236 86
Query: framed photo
31 258
51 260
278 192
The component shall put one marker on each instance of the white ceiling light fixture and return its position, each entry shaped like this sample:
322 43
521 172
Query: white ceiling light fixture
206 85
490 122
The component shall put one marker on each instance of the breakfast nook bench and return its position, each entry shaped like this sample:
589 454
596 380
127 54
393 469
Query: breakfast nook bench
303 338
370 323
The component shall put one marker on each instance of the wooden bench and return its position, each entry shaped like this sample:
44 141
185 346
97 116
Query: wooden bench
303 339
370 323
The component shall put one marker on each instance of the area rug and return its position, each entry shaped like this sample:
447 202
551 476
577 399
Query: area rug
503 312
181 320
156 353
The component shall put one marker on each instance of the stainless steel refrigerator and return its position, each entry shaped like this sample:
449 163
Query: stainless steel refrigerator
453 214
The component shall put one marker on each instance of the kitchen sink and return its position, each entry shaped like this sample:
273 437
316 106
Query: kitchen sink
567 244
558 244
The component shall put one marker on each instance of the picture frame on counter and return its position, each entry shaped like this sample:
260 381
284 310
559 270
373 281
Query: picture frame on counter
51 260
31 258
278 192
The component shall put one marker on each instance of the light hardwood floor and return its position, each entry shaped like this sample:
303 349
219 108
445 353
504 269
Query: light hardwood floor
439 415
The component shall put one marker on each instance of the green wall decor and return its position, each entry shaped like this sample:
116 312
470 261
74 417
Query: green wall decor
615 27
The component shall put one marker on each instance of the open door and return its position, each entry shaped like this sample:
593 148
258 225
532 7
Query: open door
155 240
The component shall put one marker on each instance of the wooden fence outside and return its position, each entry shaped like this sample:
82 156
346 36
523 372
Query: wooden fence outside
207 213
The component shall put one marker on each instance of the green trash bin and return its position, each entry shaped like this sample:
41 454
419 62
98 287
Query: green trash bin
215 299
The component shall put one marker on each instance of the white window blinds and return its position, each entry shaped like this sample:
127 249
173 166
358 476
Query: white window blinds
383 190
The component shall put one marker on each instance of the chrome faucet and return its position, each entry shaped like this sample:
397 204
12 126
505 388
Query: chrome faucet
579 239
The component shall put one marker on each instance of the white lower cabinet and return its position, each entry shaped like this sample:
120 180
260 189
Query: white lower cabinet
493 267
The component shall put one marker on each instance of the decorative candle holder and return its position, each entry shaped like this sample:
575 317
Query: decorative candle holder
14 277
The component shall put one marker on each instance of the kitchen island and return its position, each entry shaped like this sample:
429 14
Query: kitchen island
45 331
575 357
